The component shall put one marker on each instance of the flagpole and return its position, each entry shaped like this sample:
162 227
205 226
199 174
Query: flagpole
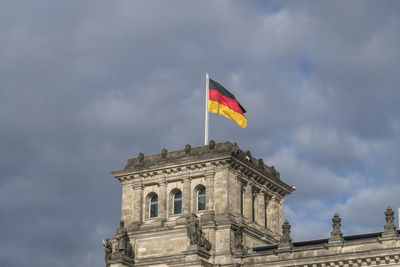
206 112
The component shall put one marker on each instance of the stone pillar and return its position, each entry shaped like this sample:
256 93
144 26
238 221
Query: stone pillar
247 201
162 200
210 191
261 209
281 215
273 215
127 202
266 203
240 192
137 203
186 195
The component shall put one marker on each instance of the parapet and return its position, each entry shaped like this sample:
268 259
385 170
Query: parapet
224 152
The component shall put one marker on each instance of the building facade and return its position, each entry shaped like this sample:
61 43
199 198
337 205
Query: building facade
217 205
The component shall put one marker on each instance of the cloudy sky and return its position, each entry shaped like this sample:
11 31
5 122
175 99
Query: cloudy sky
84 85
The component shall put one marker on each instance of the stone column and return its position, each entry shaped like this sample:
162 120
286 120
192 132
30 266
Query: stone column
254 205
162 200
266 205
261 209
210 190
137 202
273 215
186 195
127 202
281 215
240 192
247 201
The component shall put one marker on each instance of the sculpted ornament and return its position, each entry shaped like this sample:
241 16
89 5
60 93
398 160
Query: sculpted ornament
286 240
336 234
211 145
141 158
238 239
188 148
235 149
390 227
122 246
108 251
195 234
164 153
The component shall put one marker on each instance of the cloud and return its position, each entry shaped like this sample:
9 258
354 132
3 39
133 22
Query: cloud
364 212
326 146
311 181
86 85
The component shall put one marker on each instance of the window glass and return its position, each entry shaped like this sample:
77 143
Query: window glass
201 199
154 206
178 202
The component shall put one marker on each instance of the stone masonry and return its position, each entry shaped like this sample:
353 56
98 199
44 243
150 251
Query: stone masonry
217 205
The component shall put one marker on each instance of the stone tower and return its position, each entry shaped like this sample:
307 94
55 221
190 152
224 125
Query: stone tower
202 206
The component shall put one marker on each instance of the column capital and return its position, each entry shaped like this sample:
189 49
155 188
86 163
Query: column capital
276 198
162 183
186 179
137 185
249 185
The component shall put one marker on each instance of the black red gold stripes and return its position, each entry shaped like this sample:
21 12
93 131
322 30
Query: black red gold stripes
223 102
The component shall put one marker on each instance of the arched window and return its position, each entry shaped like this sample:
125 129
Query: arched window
201 198
178 202
153 205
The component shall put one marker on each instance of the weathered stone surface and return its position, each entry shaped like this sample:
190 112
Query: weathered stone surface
390 227
286 240
336 234
240 223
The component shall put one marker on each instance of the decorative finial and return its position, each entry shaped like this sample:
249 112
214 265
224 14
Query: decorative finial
336 234
188 148
390 227
211 145
286 241
108 249
141 157
260 163
235 148
164 153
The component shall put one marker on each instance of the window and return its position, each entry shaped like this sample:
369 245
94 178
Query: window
201 198
153 207
178 202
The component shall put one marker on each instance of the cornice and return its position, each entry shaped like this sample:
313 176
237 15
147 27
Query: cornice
202 161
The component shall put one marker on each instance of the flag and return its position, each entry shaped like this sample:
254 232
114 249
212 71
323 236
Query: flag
223 102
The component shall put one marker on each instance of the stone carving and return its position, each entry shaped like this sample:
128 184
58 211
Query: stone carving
286 241
195 234
141 158
390 227
336 234
211 145
188 148
238 239
108 251
122 245
261 163
275 173
164 153
235 148
248 155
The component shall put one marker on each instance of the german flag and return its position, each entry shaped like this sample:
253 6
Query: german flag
222 102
